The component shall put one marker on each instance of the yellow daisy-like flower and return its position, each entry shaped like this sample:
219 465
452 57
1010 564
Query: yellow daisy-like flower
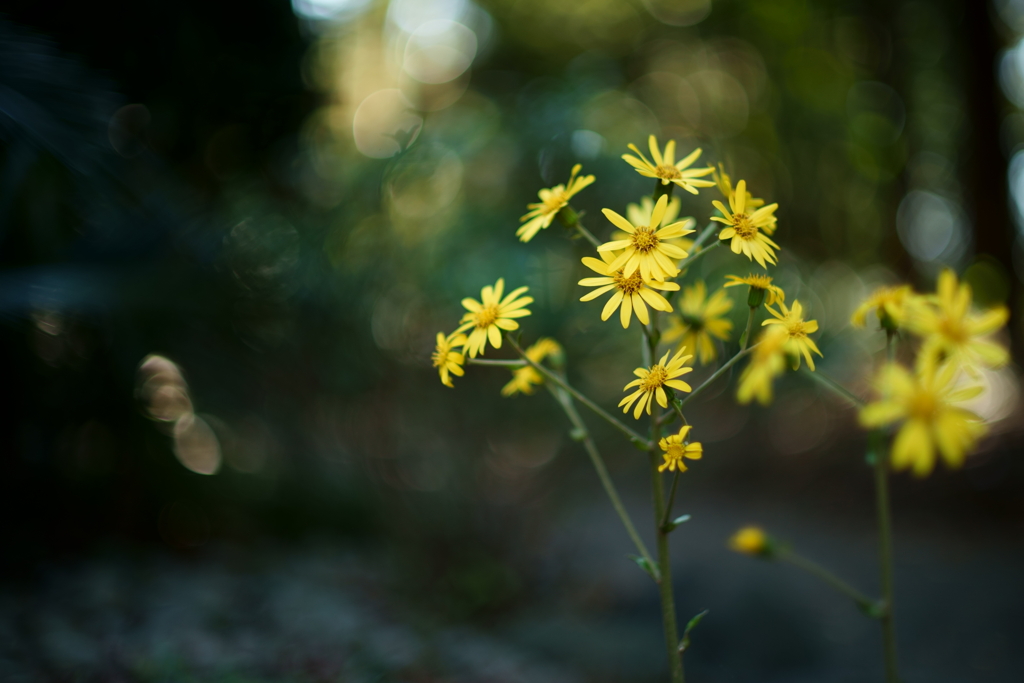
724 183
667 169
524 379
792 320
953 332
675 450
551 202
924 401
768 361
447 361
700 320
632 294
744 228
646 249
889 304
488 317
772 292
750 540
653 381
640 214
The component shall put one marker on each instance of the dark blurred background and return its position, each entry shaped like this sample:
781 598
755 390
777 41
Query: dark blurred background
230 231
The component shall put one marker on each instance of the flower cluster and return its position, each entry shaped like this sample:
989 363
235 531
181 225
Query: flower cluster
640 266
485 320
954 344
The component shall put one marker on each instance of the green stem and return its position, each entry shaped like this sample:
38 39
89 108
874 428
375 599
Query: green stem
671 500
565 400
833 386
633 436
497 363
587 234
705 234
750 328
693 258
668 605
718 373
570 218
888 618
866 604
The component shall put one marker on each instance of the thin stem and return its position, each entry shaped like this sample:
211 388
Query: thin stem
750 328
718 373
866 604
693 258
668 605
586 234
565 400
671 501
633 436
881 459
834 386
704 234
497 363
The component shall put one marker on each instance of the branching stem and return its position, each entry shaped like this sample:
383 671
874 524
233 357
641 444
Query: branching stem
556 379
565 400
834 386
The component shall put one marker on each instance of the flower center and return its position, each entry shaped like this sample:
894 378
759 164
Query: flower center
922 405
629 285
555 202
674 452
655 378
440 355
486 316
796 329
743 227
644 239
693 321
667 172
953 329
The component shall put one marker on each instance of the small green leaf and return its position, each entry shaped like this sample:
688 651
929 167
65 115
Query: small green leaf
692 624
676 522
640 445
642 562
578 434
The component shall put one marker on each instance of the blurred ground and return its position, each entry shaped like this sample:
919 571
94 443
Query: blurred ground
568 606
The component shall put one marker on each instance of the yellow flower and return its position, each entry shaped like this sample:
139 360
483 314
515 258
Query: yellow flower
640 214
653 381
524 379
924 402
750 540
675 450
631 292
645 248
551 202
792 320
888 303
725 187
763 282
446 360
487 318
667 169
700 319
768 361
744 229
953 332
